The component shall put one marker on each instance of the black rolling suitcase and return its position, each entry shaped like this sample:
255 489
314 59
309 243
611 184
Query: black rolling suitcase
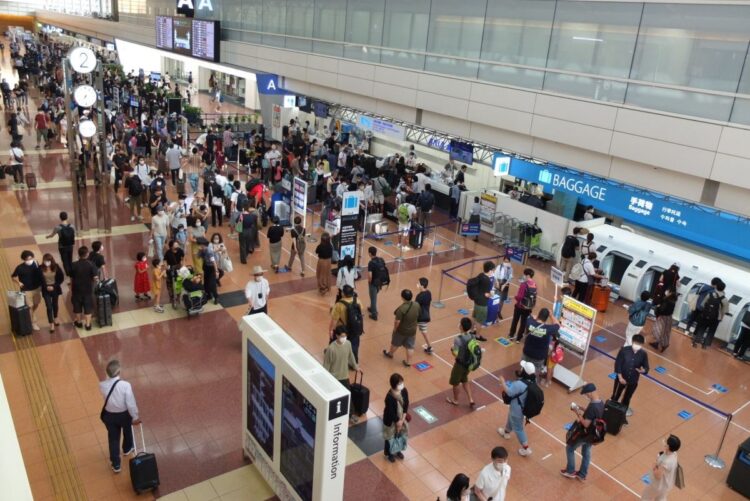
360 396
20 320
144 474
103 310
614 416
109 286
416 236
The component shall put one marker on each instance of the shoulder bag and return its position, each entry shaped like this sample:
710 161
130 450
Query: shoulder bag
106 400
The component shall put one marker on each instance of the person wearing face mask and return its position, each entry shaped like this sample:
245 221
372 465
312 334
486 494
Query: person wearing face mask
395 421
663 474
195 232
51 290
210 264
631 362
141 282
503 277
459 489
159 230
585 418
257 291
493 478
216 245
173 257
143 172
28 277
339 358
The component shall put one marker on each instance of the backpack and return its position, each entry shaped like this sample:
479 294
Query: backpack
534 400
355 324
136 186
569 246
472 287
711 308
471 354
702 295
242 201
426 201
403 213
576 272
597 431
67 236
381 276
638 317
528 301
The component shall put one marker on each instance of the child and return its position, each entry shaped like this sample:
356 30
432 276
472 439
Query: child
555 357
423 299
141 284
181 236
159 271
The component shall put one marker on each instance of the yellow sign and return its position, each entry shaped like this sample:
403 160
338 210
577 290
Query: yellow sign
571 304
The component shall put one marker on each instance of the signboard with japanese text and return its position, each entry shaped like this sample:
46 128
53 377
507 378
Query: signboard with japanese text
696 223
576 324
470 229
382 127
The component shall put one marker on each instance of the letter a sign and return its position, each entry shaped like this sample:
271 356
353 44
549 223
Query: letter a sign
186 8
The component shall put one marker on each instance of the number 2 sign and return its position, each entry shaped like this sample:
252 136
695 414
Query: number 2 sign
82 59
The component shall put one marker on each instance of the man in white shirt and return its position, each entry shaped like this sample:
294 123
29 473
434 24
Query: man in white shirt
119 413
256 292
493 478
585 282
405 214
341 161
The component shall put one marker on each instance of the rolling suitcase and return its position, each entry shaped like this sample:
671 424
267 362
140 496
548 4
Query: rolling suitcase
360 395
144 474
614 416
416 236
109 286
30 180
493 309
103 310
20 320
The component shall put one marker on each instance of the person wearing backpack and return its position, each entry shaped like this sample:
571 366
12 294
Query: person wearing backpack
585 419
464 348
631 362
134 185
66 239
405 214
539 332
481 294
298 245
516 394
347 312
637 315
404 327
569 252
377 277
525 302
714 308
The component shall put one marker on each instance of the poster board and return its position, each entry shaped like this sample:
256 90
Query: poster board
299 199
577 322
487 209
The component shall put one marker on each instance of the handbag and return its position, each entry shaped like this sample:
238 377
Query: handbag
575 434
397 443
679 477
408 417
226 264
106 400
151 251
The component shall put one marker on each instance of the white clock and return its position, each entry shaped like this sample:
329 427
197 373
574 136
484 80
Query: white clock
85 95
82 59
87 128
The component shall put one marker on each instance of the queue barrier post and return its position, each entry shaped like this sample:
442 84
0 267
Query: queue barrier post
400 258
432 252
455 245
439 304
713 460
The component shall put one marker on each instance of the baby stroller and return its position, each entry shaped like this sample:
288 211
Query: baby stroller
191 294
194 302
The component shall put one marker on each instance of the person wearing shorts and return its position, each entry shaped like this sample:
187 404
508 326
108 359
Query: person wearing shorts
82 288
404 327
460 370
29 278
424 299
405 214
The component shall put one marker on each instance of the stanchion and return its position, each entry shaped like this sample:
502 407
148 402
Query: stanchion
400 258
439 304
455 246
713 460
434 236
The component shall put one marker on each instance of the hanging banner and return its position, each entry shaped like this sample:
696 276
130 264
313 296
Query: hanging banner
348 236
299 199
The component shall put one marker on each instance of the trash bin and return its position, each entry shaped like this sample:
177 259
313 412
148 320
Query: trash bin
739 475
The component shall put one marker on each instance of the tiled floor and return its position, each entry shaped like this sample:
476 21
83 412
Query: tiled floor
186 377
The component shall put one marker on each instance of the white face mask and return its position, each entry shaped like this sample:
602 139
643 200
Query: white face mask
400 387
29 261
216 240
48 263
498 466
161 212
342 339
637 348
258 278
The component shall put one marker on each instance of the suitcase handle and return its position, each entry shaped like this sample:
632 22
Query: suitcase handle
143 439
361 376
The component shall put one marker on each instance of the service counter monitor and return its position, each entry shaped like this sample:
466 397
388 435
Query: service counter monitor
294 414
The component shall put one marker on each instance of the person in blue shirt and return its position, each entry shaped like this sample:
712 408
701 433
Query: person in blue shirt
540 331
516 390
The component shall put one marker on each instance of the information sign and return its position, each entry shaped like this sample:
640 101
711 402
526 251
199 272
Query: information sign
557 276
576 324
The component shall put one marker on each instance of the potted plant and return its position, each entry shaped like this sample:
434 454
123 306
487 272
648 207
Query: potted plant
193 115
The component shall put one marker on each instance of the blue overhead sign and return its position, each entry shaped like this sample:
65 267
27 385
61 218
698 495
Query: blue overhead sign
500 164
699 224
268 84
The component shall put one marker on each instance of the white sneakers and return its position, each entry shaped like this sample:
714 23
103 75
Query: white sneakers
501 431
524 451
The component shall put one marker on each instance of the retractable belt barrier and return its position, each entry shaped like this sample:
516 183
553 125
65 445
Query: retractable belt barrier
446 273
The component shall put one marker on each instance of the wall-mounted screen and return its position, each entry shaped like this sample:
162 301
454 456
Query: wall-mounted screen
320 109
298 417
164 32
260 401
155 76
182 35
206 40
304 104
462 152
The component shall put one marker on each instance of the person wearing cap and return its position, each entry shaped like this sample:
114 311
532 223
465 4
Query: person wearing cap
594 410
516 391
631 362
257 291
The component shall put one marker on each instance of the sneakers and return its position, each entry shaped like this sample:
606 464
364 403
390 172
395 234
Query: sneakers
524 451
428 349
399 455
353 419
158 309
35 327
567 474
132 218
131 451
503 433
580 478
116 469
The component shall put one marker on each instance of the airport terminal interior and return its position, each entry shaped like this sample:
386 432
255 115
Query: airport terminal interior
528 122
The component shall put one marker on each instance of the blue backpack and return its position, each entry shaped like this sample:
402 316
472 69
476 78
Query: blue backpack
638 315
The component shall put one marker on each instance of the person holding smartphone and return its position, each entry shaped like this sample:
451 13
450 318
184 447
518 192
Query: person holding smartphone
257 291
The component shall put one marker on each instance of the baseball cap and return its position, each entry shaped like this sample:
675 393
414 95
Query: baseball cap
528 367
588 388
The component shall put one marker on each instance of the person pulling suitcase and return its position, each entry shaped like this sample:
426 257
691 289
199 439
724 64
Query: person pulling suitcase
338 359
631 362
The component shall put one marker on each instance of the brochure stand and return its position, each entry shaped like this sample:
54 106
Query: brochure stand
576 326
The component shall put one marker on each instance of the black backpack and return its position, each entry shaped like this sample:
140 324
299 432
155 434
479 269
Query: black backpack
569 246
711 308
381 276
426 201
529 298
242 201
472 288
136 186
534 400
355 324
67 236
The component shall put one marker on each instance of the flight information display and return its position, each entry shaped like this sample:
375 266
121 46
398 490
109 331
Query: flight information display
298 417
260 396
164 32
182 38
205 39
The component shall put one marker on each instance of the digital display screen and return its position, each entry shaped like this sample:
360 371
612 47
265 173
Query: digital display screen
205 40
110 46
462 152
260 401
155 76
320 109
182 36
298 417
164 32
304 104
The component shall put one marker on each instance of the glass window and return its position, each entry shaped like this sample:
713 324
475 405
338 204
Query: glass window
741 110
274 21
364 27
405 27
516 31
252 15
700 46
330 21
455 30
299 22
681 102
